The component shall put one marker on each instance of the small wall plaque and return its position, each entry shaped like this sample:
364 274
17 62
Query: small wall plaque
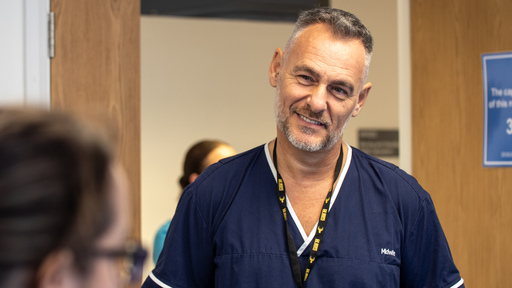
379 143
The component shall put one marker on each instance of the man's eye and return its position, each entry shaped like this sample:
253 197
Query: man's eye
304 79
340 92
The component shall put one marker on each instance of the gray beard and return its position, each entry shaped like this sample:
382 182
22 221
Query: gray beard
282 122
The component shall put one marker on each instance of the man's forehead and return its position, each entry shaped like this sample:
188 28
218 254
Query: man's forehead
318 49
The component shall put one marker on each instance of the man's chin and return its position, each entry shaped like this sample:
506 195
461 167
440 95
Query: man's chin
309 145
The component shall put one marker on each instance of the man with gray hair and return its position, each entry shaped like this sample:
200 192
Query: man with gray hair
306 209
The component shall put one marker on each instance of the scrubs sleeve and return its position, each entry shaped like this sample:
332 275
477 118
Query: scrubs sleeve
187 256
427 260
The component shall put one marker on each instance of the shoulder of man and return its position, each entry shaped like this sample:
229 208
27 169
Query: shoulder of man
220 178
232 164
391 174
216 188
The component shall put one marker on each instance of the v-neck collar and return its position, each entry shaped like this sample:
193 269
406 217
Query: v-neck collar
308 238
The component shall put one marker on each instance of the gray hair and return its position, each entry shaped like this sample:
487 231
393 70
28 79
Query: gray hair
342 23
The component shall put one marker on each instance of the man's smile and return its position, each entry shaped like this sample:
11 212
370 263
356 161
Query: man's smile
310 120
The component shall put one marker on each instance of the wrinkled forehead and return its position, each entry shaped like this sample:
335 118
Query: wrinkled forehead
320 48
316 31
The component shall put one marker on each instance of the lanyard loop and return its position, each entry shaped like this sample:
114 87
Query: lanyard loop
292 250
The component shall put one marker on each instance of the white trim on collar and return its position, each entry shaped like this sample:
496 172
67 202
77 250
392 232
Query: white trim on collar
308 239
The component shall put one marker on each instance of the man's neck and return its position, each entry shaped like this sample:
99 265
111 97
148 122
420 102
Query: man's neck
308 177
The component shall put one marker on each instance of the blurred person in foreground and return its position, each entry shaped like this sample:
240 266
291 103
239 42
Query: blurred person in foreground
198 157
64 218
306 209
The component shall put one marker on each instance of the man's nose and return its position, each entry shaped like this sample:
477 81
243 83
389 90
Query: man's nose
317 100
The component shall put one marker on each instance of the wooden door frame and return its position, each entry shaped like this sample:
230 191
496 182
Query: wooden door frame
96 74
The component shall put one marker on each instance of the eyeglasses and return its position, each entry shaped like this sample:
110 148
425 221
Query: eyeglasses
132 258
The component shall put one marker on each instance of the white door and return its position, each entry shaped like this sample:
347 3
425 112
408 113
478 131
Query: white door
25 62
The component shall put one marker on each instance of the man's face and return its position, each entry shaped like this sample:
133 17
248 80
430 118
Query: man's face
318 88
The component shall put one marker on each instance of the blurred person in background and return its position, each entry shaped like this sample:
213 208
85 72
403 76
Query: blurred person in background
199 156
63 205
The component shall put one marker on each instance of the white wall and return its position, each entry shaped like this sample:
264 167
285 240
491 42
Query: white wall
207 78
12 53
404 84
24 65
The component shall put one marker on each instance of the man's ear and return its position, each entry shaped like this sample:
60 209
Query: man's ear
57 270
275 65
363 95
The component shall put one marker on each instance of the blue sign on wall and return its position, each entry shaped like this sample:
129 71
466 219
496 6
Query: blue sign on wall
497 72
